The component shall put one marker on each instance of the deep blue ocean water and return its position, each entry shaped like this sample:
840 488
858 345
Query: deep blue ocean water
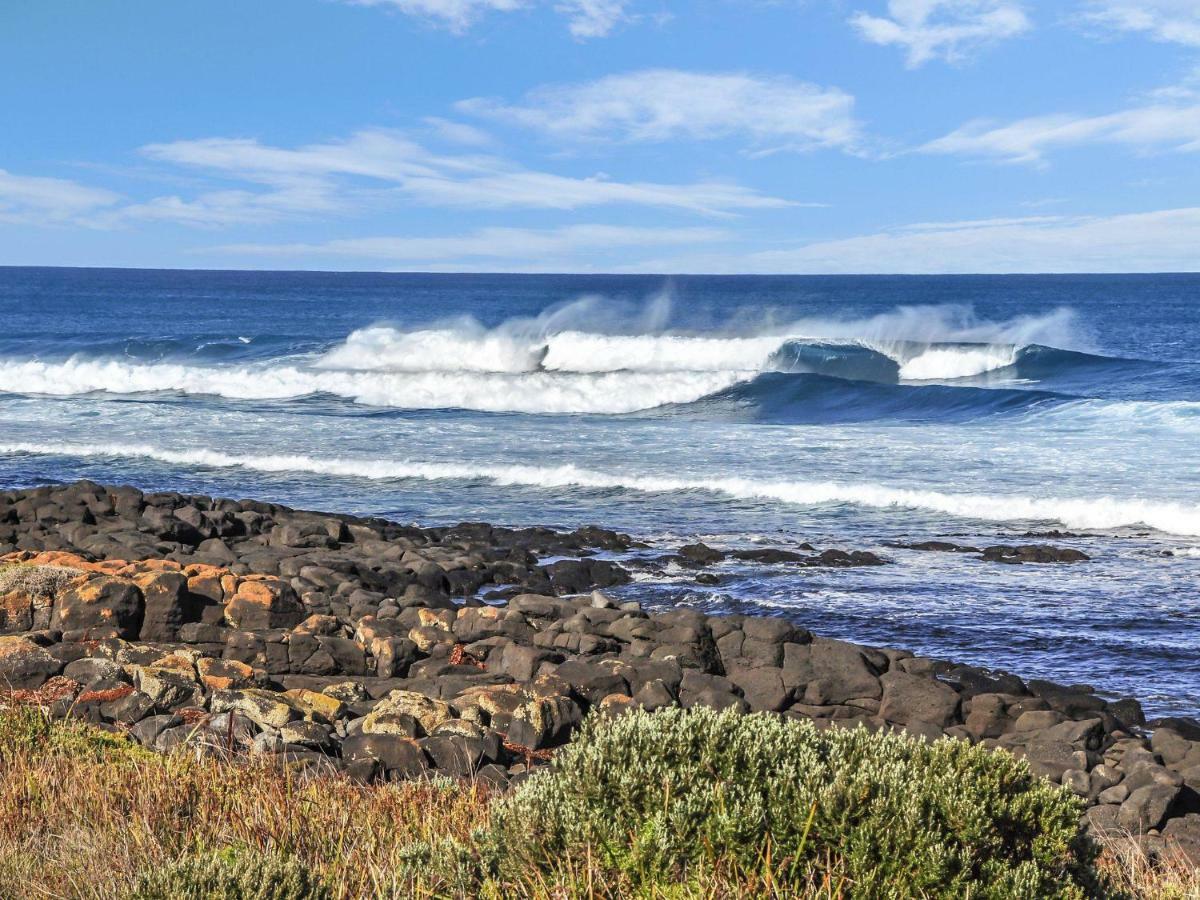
843 411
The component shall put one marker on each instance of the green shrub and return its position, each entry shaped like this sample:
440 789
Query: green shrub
232 874
28 730
654 795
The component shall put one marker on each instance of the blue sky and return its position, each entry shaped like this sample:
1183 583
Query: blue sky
602 135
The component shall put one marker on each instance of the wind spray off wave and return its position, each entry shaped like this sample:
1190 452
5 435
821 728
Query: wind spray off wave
580 359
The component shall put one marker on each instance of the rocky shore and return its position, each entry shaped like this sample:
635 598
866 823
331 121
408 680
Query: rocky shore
392 651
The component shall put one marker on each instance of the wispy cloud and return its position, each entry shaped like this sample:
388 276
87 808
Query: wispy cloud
1159 241
457 15
945 29
585 18
375 167
1171 21
523 248
458 132
664 104
593 18
1154 126
31 200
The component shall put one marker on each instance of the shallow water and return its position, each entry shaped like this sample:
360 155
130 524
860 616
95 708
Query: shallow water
842 411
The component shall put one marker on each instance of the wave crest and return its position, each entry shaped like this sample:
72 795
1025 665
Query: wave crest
580 358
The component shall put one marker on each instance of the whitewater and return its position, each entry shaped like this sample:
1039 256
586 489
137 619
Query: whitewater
1099 513
868 413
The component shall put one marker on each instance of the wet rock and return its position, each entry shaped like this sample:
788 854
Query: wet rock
1185 727
1033 553
700 554
936 547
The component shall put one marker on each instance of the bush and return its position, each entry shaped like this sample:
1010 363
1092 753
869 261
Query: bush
232 874
656 795
27 731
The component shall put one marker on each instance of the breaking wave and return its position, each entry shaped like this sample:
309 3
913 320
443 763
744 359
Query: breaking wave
575 360
1090 513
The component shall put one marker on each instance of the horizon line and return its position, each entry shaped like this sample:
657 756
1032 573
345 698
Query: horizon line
562 274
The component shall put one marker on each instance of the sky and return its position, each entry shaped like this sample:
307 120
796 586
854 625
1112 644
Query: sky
662 136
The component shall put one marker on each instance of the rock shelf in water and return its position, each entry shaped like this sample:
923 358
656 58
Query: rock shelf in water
392 651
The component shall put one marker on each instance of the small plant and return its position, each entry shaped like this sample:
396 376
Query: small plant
232 874
43 582
655 795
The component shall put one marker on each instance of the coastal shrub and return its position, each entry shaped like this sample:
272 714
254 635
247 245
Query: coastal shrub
654 795
26 730
232 874
37 581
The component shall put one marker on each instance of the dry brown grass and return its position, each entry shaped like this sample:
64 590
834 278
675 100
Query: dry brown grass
1132 873
84 813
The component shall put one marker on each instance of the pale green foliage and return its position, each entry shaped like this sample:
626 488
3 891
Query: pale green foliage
37 581
232 874
446 861
27 730
655 794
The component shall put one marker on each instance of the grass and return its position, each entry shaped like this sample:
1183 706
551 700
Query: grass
1132 873
88 814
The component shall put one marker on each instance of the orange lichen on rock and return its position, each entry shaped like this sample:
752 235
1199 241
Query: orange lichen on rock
224 674
108 696
60 558
264 601
55 689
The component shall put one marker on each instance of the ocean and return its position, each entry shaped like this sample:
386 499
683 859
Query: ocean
852 412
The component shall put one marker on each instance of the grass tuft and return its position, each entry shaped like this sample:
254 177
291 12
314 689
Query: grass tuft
43 582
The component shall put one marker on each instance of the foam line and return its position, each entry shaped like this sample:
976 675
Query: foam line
1092 512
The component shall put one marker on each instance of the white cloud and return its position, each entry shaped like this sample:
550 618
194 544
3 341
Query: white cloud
457 15
664 104
585 18
458 132
382 167
592 18
522 247
1162 126
1172 21
30 200
949 29
1161 241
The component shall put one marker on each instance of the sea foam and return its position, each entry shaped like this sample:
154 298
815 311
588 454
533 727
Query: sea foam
1072 512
